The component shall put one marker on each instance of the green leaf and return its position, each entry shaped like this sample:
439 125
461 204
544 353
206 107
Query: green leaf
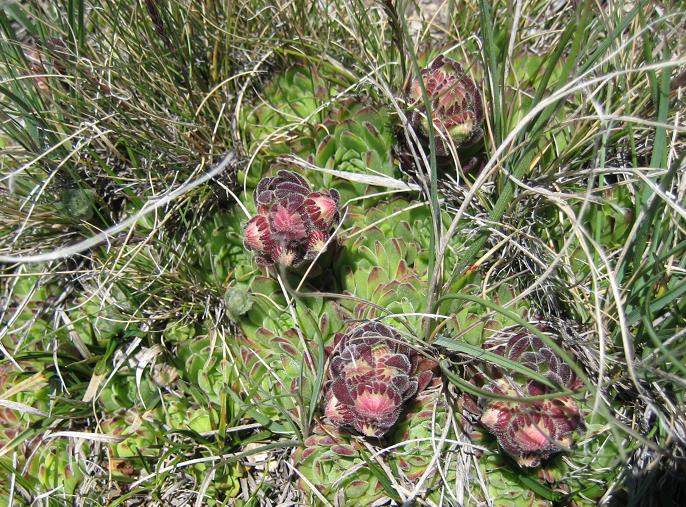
381 477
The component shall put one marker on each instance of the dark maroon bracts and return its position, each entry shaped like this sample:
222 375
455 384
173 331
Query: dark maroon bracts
456 107
292 223
372 374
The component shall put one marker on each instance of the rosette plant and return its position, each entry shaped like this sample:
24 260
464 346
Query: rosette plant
384 262
387 390
287 107
373 374
355 137
299 114
530 431
293 224
280 355
456 106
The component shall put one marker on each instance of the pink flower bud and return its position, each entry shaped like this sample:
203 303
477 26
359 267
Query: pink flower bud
322 208
456 107
285 256
286 222
316 243
257 236
372 374
292 223
529 430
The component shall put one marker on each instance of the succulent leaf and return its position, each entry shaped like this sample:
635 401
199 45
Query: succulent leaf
326 460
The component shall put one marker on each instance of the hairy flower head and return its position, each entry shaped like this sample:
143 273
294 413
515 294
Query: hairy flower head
456 106
373 373
292 222
529 430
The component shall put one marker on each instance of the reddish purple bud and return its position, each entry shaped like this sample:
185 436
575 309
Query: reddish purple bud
322 209
372 374
285 256
376 400
316 243
257 236
337 411
532 430
456 107
286 222
529 436
496 419
292 223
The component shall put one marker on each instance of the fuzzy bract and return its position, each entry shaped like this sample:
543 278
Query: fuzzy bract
373 373
456 106
529 430
292 222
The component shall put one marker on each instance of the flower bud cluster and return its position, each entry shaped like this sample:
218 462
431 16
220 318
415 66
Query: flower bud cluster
293 224
373 374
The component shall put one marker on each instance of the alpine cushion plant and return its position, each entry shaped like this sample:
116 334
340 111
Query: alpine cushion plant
373 373
456 106
293 224
528 430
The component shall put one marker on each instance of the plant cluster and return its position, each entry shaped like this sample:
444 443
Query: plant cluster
263 253
528 427
456 109
293 224
373 374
